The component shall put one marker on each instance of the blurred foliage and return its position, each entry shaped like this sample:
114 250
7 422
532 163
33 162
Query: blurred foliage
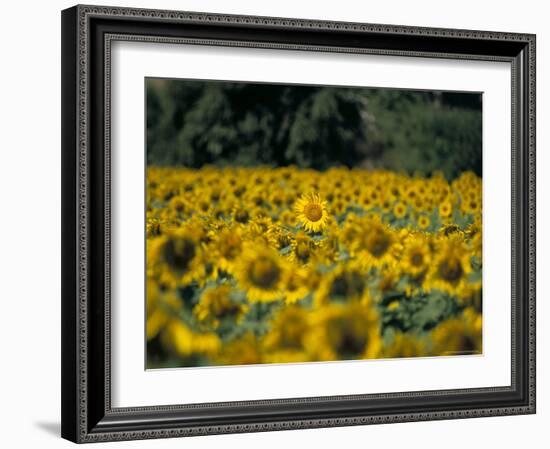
197 123
194 123
421 132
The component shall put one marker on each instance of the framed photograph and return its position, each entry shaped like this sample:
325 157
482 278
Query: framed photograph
276 224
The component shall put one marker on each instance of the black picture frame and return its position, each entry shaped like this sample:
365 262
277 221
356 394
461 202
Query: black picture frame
87 33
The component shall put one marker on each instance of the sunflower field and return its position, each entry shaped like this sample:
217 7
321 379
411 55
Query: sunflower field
274 265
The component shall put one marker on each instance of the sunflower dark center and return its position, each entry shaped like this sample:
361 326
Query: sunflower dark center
230 247
347 285
347 343
221 309
313 211
179 206
378 243
179 253
451 229
264 273
242 216
417 259
292 333
284 240
303 251
467 344
293 284
451 269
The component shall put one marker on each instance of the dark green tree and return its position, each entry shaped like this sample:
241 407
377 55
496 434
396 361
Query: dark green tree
194 123
421 132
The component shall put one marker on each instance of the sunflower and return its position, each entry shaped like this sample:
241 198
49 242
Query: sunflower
203 206
161 305
288 218
449 229
228 245
257 196
376 244
350 232
179 205
416 257
344 332
178 252
238 189
445 209
258 227
184 342
423 221
303 248
390 275
242 351
295 285
313 277
451 267
312 212
260 273
346 283
155 316
405 345
458 336
153 227
279 237
241 214
399 210
338 207
477 243
284 341
329 247
366 200
277 198
216 305
386 203
471 204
